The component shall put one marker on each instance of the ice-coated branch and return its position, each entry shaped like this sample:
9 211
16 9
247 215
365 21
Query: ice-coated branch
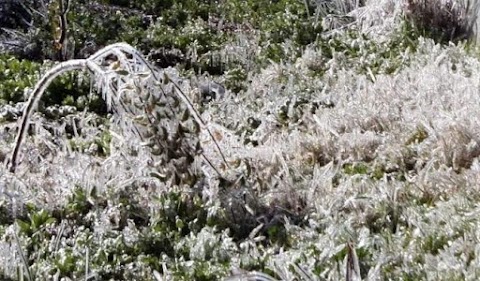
129 60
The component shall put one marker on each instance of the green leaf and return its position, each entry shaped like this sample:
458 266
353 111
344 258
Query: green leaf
122 72
24 226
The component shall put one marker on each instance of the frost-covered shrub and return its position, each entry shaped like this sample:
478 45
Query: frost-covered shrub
143 101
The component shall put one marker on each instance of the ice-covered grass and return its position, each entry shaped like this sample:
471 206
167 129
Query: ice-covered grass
350 166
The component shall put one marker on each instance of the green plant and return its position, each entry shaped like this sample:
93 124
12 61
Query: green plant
36 222
16 76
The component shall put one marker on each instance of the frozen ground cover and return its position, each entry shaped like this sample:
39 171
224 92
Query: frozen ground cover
359 162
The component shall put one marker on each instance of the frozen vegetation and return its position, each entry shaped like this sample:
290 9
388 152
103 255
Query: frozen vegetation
327 140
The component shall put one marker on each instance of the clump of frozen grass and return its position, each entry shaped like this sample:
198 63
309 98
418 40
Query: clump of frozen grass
447 20
377 163
372 155
444 21
335 14
376 18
